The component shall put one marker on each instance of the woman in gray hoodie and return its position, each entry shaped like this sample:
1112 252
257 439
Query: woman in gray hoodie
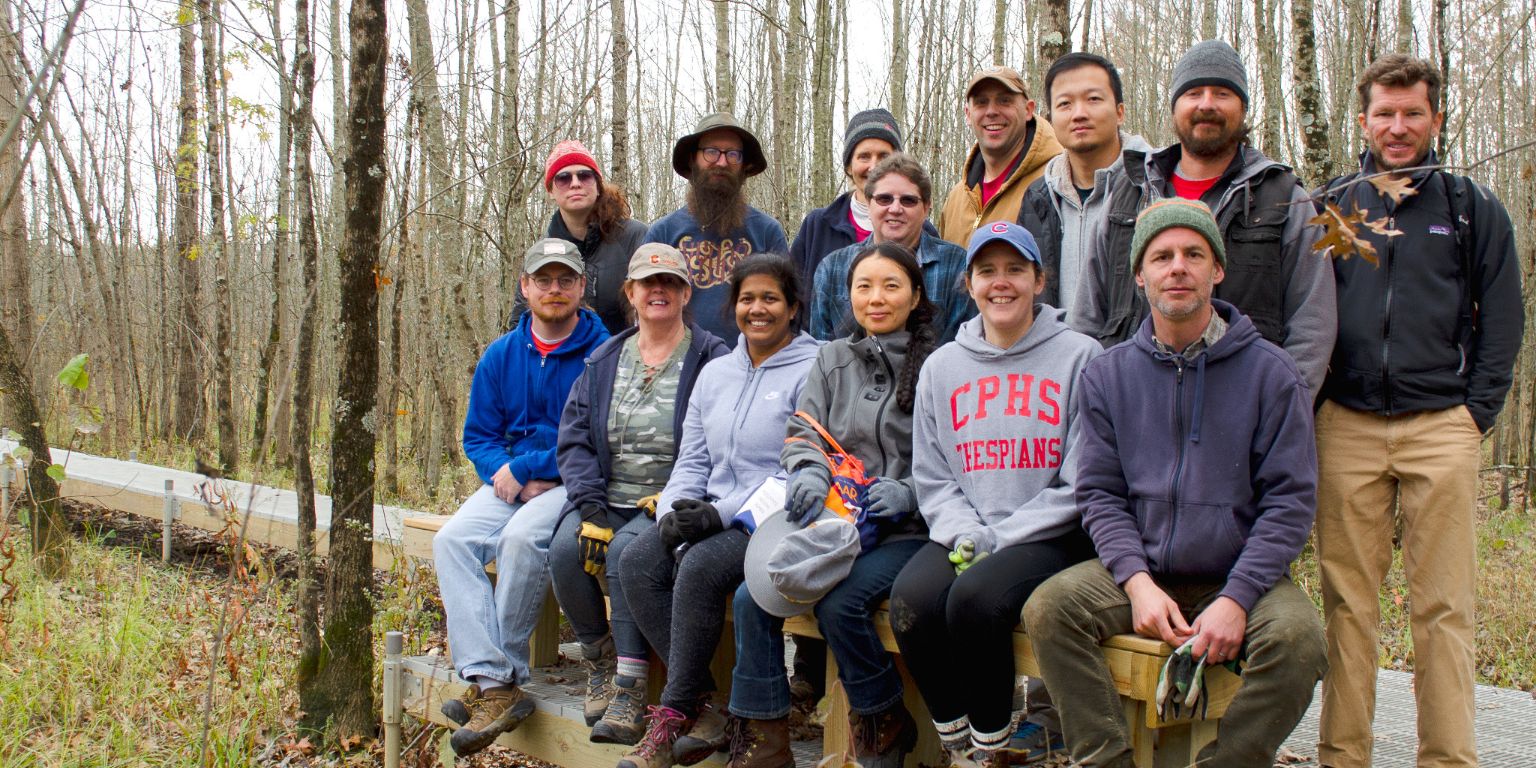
992 455
678 575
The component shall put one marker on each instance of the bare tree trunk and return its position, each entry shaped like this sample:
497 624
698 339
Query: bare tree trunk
1314 123
618 166
15 268
1209 16
822 179
725 84
899 62
1405 27
190 424
999 27
269 349
1269 78
346 668
1056 40
1443 50
224 397
50 533
1087 23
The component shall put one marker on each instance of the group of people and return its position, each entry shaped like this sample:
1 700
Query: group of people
1114 390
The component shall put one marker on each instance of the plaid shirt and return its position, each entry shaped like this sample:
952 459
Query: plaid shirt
943 265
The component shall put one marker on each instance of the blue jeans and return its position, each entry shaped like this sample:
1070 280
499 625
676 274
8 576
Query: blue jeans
579 594
489 625
759 688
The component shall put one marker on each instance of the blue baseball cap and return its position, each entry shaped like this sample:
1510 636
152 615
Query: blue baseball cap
1012 233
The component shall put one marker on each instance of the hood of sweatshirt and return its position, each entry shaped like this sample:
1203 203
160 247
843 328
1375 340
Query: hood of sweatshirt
1049 322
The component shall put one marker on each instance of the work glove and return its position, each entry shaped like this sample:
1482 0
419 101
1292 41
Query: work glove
1181 683
671 537
696 519
965 555
889 501
593 539
806 492
648 505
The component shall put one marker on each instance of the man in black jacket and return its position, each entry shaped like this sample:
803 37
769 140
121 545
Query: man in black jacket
1426 343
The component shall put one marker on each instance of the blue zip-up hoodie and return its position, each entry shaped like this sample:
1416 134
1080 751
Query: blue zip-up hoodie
516 397
586 463
1201 471
736 424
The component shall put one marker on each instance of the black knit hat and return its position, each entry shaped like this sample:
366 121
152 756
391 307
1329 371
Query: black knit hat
1210 62
870 124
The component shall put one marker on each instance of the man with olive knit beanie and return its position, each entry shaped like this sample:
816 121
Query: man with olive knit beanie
1196 510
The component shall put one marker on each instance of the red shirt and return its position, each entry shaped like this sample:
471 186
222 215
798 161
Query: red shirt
545 347
990 188
859 233
1192 190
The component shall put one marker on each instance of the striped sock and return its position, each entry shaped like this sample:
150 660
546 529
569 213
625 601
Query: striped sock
954 734
634 669
990 742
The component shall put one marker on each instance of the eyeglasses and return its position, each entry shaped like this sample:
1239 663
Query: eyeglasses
566 282
712 155
885 199
583 176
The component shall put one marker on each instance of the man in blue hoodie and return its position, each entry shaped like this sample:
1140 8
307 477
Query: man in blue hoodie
515 399
1191 516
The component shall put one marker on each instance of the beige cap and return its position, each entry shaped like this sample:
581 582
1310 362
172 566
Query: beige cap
1007 76
552 250
658 259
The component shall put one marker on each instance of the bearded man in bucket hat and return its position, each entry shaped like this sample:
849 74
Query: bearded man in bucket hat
716 228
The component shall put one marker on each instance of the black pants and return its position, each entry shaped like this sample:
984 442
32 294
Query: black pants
956 632
680 605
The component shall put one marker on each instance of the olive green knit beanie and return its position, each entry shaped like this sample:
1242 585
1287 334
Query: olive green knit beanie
1168 214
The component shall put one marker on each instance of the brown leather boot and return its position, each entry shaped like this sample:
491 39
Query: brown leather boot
882 740
760 744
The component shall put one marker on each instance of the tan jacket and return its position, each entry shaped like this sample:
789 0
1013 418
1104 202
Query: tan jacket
963 211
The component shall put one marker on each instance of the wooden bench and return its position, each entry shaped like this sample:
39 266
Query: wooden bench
561 738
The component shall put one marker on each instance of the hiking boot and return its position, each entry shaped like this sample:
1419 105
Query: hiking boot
496 711
882 740
663 725
760 743
600 662
707 736
457 710
624 722
977 758
1032 743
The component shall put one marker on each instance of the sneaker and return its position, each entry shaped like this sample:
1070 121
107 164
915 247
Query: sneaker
457 710
759 743
664 724
882 740
624 721
600 662
1032 742
707 736
492 713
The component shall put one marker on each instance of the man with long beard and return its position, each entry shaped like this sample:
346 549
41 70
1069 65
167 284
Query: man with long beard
1272 274
716 228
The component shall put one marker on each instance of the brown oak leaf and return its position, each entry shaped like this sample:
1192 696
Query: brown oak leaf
1393 186
1341 234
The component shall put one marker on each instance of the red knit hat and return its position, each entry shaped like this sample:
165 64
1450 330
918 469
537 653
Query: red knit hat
568 152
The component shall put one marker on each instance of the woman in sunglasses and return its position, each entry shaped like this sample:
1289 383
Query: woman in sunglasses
594 215
900 199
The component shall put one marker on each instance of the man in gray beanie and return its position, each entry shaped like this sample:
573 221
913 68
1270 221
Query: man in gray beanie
1273 276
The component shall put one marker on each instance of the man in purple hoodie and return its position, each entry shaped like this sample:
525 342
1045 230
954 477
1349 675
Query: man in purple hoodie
1196 520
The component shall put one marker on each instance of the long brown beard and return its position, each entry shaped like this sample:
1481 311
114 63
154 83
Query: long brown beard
717 201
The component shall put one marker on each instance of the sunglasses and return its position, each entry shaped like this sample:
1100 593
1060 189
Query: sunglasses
884 200
583 176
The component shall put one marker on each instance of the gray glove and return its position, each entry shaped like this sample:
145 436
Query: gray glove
889 501
806 492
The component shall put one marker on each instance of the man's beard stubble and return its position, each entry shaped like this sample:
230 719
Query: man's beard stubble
1215 146
717 201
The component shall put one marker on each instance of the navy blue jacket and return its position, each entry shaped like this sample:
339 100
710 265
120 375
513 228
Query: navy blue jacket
585 463
823 231
1200 471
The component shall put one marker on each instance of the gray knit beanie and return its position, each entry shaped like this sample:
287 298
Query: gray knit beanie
1172 213
1210 62
870 124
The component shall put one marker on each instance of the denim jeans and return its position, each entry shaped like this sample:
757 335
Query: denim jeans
489 625
679 603
580 595
759 689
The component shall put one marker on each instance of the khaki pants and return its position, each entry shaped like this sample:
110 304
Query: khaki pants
1427 463
1072 612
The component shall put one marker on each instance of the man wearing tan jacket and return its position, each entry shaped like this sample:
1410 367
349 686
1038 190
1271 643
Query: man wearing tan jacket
1011 150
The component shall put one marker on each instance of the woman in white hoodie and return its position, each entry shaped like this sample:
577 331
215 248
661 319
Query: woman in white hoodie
992 455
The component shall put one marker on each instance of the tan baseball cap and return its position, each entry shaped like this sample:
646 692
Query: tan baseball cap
658 259
1007 76
552 250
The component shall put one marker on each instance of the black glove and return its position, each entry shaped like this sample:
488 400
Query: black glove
697 519
889 501
671 538
593 538
806 492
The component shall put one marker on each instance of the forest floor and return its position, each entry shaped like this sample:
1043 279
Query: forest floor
112 665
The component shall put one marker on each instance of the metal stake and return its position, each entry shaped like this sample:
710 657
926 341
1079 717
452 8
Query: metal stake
394 644
167 516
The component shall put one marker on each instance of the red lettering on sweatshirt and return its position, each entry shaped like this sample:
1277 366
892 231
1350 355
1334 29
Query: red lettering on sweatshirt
1009 454
1022 389
986 389
954 406
1019 385
1050 413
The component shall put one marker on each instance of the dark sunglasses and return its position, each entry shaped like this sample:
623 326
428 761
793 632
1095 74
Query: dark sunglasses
564 178
884 199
